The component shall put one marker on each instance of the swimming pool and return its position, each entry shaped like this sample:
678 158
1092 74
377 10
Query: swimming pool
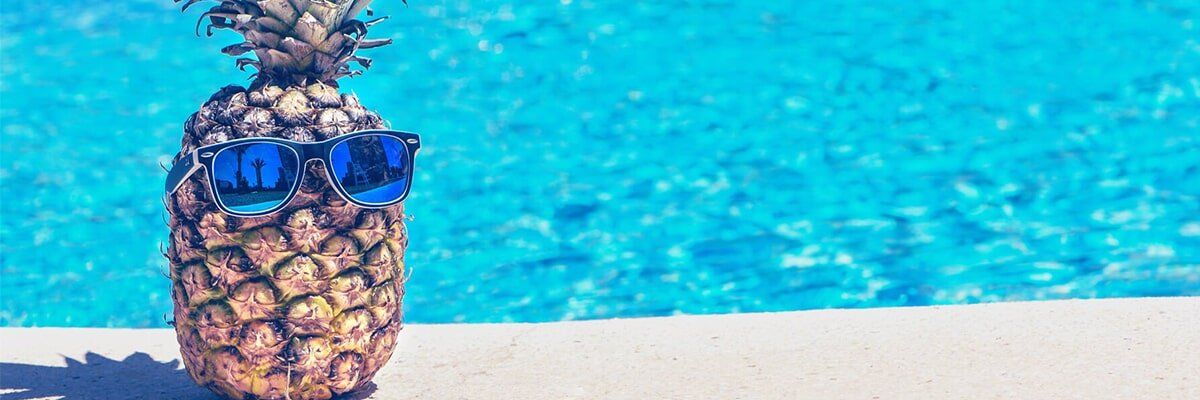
588 159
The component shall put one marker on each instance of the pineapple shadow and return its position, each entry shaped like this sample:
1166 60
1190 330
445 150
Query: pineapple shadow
138 376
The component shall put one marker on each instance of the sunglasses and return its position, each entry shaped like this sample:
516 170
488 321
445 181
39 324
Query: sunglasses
258 176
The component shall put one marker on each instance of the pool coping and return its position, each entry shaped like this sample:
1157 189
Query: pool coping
1114 348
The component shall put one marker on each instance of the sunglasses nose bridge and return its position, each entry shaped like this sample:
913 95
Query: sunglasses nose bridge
312 158
311 151
304 171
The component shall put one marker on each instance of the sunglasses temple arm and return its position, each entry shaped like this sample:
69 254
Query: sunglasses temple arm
180 171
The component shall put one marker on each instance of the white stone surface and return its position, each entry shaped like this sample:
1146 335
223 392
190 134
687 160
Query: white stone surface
1085 349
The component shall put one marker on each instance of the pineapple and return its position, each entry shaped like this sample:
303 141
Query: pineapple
303 303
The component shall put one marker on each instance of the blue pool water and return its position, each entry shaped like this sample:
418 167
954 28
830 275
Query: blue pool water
593 159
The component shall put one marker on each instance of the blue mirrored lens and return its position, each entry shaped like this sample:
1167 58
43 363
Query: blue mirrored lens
254 177
372 169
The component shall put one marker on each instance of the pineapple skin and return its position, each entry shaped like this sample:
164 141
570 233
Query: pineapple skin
304 303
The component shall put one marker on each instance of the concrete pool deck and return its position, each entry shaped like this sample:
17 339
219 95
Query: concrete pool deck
1088 349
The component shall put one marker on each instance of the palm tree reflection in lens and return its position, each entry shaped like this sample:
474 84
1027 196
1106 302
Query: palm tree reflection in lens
258 166
236 192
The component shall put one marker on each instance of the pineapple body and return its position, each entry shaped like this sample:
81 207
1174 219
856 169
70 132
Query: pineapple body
301 304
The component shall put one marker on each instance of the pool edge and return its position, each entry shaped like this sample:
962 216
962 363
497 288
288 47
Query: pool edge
1131 347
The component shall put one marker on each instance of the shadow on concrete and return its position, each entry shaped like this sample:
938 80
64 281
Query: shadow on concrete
136 377
360 394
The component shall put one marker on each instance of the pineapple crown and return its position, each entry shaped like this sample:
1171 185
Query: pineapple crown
295 41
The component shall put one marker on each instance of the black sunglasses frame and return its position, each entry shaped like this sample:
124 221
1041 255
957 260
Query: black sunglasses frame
305 152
